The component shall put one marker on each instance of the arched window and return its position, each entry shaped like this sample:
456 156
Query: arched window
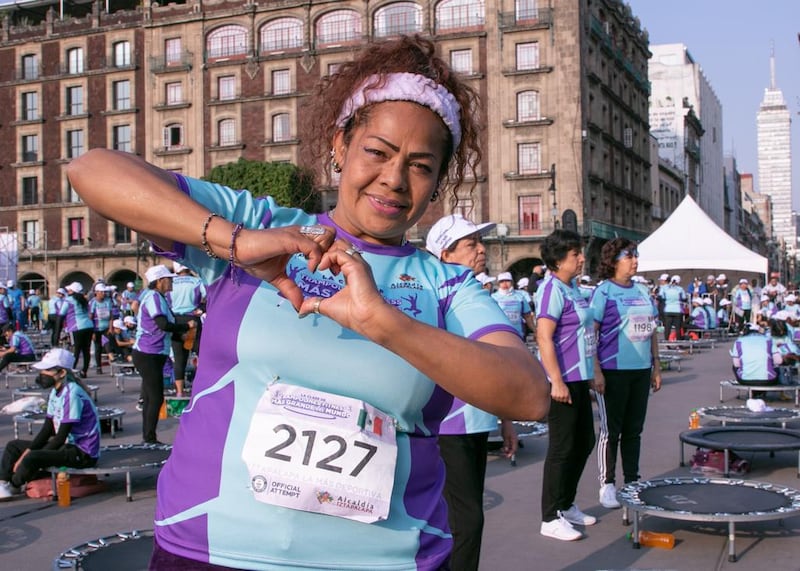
528 106
282 34
227 41
455 14
173 136
280 128
226 132
338 26
397 18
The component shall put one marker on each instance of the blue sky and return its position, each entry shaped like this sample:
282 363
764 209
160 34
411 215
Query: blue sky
731 40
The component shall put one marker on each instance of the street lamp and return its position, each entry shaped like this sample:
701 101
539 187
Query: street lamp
554 211
502 233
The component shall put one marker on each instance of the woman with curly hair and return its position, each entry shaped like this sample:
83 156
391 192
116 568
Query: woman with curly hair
311 443
627 364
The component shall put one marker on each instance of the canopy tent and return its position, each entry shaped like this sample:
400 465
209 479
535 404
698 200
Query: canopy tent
690 243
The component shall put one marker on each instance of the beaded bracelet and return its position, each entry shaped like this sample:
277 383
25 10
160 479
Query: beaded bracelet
231 248
204 240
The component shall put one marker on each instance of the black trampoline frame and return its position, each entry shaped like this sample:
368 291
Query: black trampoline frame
696 437
105 469
629 497
709 413
72 557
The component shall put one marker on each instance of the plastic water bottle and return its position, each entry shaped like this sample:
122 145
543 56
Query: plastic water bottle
655 539
62 489
694 420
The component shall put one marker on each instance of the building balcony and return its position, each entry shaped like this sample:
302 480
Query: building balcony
169 63
514 175
540 122
166 106
226 146
532 19
171 151
540 69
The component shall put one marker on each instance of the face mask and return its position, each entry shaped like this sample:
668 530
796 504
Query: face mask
45 381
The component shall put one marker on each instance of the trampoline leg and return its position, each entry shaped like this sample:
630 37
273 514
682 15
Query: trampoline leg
513 459
727 463
731 542
128 495
798 464
683 463
635 535
625 519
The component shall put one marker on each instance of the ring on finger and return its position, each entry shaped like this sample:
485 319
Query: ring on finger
352 250
315 230
317 303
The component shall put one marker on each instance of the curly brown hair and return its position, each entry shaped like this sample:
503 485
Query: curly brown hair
608 256
411 54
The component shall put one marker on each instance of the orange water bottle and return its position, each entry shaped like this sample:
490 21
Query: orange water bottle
694 420
62 489
655 539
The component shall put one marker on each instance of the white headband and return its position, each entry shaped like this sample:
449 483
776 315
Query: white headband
406 87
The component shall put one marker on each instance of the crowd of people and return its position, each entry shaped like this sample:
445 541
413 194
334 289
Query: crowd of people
347 358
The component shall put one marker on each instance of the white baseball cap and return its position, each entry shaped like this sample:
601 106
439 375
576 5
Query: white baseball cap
505 277
157 272
129 320
743 281
707 301
676 278
663 277
178 268
77 287
724 302
129 284
709 277
450 229
585 279
523 282
698 301
791 297
484 279
118 324
31 291
722 277
100 287
57 357
62 291
10 283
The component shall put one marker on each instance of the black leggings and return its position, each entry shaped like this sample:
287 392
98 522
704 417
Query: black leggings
151 368
68 455
81 345
15 358
180 353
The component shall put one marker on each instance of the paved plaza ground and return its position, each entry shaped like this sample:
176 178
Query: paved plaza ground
34 532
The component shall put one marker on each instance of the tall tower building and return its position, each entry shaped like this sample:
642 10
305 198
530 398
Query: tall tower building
774 123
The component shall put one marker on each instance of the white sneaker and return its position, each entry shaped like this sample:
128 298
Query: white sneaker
576 516
608 496
560 529
7 490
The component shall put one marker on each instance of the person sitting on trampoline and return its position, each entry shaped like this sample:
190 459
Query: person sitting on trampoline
19 350
755 358
70 435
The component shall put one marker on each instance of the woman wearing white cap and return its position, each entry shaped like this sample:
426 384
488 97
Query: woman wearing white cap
70 435
387 330
742 299
78 324
101 309
55 318
464 434
723 314
156 325
34 304
674 299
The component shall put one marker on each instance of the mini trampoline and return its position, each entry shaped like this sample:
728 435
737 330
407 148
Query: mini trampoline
129 551
709 500
525 429
743 415
125 459
742 438
114 415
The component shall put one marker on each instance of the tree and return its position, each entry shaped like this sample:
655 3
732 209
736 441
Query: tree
288 184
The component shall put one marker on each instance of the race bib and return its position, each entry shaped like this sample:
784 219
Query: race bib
591 343
319 452
103 313
640 327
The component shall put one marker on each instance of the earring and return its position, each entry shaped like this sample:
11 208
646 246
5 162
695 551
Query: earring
435 195
336 167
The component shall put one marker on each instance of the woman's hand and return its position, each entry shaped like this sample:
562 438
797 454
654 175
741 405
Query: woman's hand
510 438
356 305
560 393
265 253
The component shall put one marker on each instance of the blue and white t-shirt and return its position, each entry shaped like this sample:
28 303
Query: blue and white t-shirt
674 298
101 313
149 337
574 337
21 343
755 355
515 305
188 292
627 319
71 404
257 340
76 315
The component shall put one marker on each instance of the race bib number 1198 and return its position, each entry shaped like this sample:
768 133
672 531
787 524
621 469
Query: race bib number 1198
319 452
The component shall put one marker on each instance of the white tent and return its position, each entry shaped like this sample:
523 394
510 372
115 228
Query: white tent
689 242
